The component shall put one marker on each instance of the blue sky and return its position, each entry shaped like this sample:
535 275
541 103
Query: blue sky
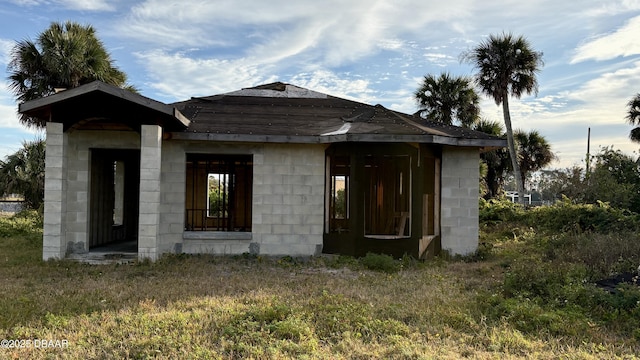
371 51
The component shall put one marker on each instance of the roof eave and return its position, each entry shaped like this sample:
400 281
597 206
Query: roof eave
34 106
319 139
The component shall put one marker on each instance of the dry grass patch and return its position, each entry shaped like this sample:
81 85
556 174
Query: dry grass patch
205 307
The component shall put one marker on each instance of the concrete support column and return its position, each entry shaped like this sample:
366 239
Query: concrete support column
150 163
459 200
54 237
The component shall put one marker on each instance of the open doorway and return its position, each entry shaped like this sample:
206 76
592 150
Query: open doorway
114 200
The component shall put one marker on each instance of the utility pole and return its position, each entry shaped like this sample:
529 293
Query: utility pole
588 155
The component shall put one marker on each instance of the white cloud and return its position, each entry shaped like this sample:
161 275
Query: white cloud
622 42
178 77
403 101
8 110
439 59
328 82
334 32
28 2
8 117
613 8
12 133
88 5
610 92
91 5
5 51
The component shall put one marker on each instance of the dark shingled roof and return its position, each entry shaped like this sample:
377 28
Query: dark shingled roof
275 112
283 112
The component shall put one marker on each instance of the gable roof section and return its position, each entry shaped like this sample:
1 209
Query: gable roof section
281 112
95 104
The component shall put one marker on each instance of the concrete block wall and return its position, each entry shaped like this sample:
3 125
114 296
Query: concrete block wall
150 176
54 243
78 171
288 199
459 200
172 197
287 205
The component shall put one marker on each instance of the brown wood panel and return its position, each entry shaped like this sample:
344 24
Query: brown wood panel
102 199
102 196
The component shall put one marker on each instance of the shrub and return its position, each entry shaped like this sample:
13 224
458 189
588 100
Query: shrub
602 254
566 216
534 278
23 223
380 262
500 210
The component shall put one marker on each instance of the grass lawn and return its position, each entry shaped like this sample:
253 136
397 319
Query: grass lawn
205 307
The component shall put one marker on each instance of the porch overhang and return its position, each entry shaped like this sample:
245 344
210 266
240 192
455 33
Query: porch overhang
98 104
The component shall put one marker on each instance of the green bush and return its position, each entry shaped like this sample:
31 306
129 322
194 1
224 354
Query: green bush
558 296
532 317
23 223
566 216
562 216
547 280
500 210
602 254
380 262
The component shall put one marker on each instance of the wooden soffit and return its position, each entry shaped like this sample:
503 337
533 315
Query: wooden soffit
100 105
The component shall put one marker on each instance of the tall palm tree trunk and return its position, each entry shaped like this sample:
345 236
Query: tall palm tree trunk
512 149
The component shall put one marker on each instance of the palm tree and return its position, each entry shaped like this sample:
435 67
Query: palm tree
507 66
633 117
63 56
534 152
23 173
447 99
497 161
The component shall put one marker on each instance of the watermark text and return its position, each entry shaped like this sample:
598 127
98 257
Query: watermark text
33 344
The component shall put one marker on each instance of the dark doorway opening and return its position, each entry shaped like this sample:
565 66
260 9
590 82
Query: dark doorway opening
114 199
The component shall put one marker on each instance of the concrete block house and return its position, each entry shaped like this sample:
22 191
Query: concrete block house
274 170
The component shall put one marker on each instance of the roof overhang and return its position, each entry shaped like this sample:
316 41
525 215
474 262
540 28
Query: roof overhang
104 103
484 144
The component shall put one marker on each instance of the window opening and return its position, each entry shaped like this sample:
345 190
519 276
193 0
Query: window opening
219 192
387 197
339 194
118 191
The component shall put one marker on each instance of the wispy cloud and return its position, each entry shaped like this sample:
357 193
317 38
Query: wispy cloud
337 85
8 117
613 8
622 42
91 5
609 92
176 76
334 31
87 5
5 51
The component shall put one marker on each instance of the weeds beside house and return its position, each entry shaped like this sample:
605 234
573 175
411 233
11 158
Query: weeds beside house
528 293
